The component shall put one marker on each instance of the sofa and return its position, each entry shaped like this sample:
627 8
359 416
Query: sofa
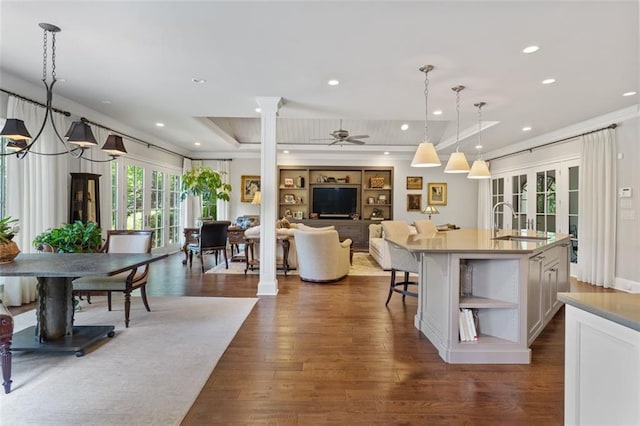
379 248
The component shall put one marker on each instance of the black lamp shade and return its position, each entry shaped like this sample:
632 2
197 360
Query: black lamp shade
15 129
80 134
114 146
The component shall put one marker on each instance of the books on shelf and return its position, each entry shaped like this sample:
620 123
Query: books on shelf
467 326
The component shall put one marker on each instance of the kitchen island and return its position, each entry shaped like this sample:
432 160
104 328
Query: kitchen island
510 286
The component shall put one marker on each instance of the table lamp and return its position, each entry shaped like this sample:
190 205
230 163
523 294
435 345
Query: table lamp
430 210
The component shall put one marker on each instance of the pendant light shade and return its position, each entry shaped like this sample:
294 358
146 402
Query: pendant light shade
479 169
426 155
80 134
15 129
114 145
457 161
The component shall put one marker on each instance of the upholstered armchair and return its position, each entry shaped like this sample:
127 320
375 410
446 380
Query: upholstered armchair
282 231
321 256
426 228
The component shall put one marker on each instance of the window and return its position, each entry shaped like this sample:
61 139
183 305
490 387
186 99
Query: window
546 201
497 196
174 209
156 216
135 197
519 201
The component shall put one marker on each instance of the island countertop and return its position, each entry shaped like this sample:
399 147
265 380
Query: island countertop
621 308
482 241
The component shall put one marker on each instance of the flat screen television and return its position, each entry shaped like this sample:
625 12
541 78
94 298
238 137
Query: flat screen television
335 202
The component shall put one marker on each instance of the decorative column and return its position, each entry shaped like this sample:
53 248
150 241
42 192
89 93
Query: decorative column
268 285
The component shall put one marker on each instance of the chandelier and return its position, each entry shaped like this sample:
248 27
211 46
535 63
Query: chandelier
457 161
479 169
79 136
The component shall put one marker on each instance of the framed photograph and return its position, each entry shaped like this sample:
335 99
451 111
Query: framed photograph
288 182
414 202
437 194
249 185
414 182
289 199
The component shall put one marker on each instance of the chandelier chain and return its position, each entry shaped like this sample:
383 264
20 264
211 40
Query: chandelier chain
53 56
479 123
426 105
44 57
457 119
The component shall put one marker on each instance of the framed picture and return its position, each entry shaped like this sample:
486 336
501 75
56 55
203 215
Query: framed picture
414 202
289 199
437 194
414 182
249 185
288 182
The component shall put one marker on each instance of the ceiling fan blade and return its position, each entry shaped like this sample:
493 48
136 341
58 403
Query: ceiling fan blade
355 141
359 137
325 139
335 141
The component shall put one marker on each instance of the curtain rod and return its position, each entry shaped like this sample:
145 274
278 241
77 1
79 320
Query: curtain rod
65 113
68 114
610 126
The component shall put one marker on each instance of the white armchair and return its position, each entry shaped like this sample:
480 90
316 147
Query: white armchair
321 256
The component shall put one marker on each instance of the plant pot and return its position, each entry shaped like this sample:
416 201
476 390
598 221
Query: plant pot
8 252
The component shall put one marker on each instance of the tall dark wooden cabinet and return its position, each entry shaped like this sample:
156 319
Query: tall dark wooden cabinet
85 198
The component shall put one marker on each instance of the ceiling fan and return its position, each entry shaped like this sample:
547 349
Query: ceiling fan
341 135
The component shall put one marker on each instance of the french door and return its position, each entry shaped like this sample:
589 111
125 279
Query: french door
544 197
146 196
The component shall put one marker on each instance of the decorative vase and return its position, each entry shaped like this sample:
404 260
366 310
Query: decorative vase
8 252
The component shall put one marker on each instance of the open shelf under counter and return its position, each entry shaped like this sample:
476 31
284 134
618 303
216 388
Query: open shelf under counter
486 339
484 303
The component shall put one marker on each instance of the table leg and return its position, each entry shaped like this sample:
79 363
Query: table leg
285 255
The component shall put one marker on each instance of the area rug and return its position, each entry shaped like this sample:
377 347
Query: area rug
363 264
147 374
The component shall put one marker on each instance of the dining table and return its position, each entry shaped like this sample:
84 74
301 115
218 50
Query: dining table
55 330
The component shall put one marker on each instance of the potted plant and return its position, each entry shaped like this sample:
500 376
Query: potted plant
77 237
8 248
203 182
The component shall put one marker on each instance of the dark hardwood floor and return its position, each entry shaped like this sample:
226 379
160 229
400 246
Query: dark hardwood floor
323 354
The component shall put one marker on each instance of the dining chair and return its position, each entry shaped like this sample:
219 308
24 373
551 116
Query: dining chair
212 240
121 241
401 260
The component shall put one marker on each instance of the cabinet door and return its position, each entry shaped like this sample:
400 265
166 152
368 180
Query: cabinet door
534 296
550 289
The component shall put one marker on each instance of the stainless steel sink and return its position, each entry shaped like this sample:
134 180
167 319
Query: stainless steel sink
533 238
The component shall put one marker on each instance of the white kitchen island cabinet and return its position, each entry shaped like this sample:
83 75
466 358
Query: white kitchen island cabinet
511 302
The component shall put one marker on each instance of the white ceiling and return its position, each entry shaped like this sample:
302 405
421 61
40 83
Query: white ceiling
141 56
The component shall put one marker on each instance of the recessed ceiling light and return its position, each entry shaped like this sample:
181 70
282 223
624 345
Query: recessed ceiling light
386 153
437 112
526 128
629 93
549 81
159 124
530 49
405 126
198 80
286 151
333 82
196 143
478 146
258 110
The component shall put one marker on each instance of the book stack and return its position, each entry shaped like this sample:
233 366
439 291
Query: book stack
467 326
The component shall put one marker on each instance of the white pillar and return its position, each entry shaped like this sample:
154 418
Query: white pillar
268 285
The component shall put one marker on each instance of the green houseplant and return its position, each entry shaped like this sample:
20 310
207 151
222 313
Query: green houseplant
8 248
203 182
77 237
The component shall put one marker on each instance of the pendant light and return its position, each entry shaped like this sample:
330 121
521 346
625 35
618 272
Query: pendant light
479 169
426 155
457 161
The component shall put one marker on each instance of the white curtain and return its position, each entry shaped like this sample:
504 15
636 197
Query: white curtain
484 203
222 207
597 209
37 189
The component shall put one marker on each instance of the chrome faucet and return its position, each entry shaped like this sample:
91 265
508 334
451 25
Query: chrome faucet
494 222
